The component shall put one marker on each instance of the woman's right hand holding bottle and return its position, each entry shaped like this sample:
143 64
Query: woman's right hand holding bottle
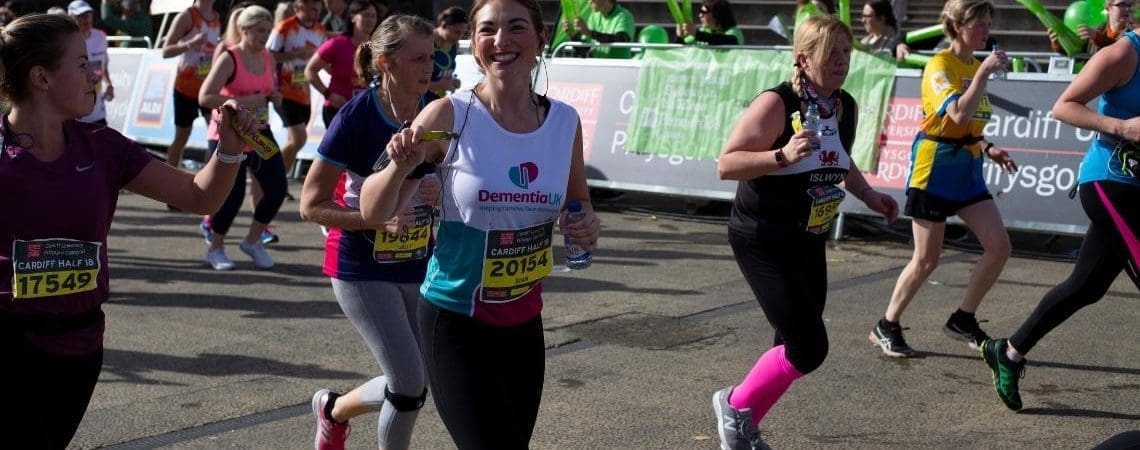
800 146
996 62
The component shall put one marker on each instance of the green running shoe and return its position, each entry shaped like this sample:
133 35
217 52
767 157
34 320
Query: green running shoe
1006 372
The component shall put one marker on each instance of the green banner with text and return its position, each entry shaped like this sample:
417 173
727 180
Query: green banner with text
688 99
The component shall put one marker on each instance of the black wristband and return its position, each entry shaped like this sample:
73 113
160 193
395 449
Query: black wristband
424 168
421 170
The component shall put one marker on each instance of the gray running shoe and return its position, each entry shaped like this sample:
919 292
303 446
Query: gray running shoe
735 427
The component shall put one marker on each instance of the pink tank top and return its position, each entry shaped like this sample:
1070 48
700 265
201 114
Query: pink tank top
245 83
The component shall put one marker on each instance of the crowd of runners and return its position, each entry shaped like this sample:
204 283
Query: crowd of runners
437 259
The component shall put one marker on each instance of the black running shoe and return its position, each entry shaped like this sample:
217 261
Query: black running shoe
890 339
965 328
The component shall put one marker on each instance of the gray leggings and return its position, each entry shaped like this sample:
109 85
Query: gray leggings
385 316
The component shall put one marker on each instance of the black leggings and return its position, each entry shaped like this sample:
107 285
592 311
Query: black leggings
47 394
327 114
270 173
1114 218
788 275
486 380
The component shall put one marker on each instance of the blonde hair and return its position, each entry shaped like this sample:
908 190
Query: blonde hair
243 18
815 38
387 39
961 12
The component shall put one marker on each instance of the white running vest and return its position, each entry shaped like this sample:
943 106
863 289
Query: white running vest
502 193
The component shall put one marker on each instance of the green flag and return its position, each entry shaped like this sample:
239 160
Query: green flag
689 99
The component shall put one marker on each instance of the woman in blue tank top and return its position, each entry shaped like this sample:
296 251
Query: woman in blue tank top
1109 185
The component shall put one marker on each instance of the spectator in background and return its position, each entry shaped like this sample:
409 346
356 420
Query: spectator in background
450 26
284 11
59 11
193 39
293 42
128 18
337 56
1119 21
882 28
97 60
606 22
718 26
899 10
334 20
6 14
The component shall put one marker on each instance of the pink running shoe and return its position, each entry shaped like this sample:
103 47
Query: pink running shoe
330 435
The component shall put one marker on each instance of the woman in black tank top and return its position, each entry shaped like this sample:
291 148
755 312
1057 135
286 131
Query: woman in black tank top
786 202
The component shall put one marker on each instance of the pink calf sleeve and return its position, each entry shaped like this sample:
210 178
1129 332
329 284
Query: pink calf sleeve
772 375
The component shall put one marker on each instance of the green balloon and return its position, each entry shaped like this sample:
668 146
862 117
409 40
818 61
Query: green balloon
805 11
1094 5
653 34
1077 14
1097 17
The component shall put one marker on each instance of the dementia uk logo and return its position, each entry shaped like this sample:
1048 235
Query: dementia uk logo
522 176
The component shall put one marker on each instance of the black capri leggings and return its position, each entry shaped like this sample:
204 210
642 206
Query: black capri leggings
486 380
1108 248
47 394
788 275
270 173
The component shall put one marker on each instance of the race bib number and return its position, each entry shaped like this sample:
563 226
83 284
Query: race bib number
825 202
515 261
204 69
408 245
262 114
53 267
299 79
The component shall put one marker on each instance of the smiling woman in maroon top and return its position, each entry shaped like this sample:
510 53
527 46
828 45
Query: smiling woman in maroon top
60 180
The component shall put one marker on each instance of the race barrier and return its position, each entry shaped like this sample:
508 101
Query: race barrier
605 94
147 116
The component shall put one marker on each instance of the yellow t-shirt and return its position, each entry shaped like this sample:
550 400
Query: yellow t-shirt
944 80
947 170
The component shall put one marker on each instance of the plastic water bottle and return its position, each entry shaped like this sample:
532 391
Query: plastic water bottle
811 122
1000 73
577 258
191 165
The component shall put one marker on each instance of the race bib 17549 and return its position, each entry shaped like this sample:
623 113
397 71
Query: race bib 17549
53 267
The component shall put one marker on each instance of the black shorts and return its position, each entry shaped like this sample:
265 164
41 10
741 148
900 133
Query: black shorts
924 205
187 109
293 113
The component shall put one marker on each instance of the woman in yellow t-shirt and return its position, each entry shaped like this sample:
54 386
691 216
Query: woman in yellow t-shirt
946 175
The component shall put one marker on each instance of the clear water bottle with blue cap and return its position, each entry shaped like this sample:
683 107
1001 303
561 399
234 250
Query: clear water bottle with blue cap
577 257
811 122
1000 73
